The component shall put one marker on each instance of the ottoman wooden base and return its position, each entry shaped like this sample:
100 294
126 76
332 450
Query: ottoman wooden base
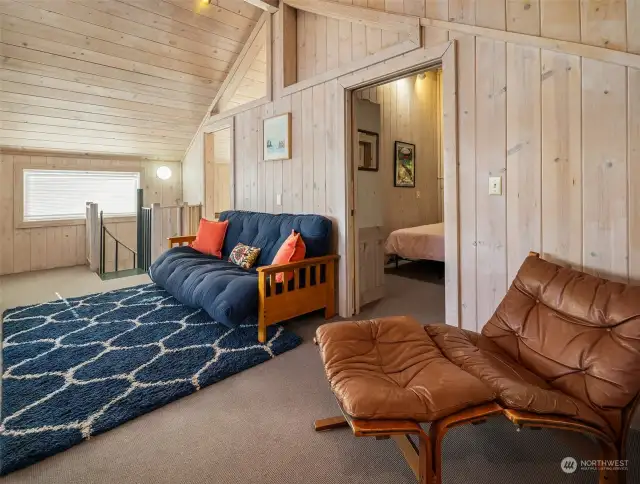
423 459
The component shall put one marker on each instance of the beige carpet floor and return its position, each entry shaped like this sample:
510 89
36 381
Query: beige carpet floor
256 426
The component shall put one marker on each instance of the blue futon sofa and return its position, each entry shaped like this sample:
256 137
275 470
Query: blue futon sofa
228 293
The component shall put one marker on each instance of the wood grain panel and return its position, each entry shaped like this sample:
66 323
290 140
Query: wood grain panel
560 19
6 208
467 179
307 152
561 159
491 114
150 65
324 44
319 149
524 169
604 165
523 16
297 120
491 14
634 176
462 11
603 23
633 26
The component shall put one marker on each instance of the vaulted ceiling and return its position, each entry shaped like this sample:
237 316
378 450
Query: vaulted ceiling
116 77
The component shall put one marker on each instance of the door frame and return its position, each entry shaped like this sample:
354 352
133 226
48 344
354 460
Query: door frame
228 123
421 58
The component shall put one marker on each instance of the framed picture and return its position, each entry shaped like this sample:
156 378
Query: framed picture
404 167
368 146
277 138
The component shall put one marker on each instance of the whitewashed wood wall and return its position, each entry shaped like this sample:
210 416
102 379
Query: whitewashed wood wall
562 130
335 43
217 173
23 250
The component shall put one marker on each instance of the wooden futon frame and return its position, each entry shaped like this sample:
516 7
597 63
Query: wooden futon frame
312 288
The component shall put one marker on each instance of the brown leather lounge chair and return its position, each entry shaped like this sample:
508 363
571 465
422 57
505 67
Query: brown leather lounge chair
562 350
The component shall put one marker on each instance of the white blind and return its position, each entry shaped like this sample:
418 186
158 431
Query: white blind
63 194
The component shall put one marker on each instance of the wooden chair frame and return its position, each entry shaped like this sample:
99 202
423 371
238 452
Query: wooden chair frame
426 459
279 302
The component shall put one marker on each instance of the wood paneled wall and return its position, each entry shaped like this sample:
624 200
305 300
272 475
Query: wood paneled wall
563 131
23 250
325 43
217 174
613 24
409 112
251 87
130 77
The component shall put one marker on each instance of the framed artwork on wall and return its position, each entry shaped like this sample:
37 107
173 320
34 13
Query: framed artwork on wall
404 166
368 147
277 138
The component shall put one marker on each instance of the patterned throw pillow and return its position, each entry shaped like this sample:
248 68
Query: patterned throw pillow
244 256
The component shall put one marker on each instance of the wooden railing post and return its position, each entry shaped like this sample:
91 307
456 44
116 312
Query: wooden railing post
93 236
157 243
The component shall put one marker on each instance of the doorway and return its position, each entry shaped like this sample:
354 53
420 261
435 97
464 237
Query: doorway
417 61
218 171
399 194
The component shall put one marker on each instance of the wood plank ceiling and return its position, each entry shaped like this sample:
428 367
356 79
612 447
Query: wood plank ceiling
115 77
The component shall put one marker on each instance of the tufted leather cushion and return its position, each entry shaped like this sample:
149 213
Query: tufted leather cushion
228 293
390 369
577 332
516 387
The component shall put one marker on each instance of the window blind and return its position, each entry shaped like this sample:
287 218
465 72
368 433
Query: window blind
63 194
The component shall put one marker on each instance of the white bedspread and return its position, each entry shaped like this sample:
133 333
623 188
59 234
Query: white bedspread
423 242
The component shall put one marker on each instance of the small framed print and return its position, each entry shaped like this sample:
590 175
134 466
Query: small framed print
368 146
277 138
404 167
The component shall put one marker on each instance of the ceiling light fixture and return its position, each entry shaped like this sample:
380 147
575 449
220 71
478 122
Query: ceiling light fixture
163 172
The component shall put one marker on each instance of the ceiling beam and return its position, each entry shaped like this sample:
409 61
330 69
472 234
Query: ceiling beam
270 6
393 22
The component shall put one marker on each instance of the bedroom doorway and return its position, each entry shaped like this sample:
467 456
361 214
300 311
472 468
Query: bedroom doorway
398 194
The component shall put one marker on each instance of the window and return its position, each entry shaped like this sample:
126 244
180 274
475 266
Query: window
51 195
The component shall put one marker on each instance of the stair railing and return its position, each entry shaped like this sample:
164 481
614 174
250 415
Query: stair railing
104 233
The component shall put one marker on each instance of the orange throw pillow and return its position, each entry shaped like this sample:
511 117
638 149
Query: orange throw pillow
210 237
291 250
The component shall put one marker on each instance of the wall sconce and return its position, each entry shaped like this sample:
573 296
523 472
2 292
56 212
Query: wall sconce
164 173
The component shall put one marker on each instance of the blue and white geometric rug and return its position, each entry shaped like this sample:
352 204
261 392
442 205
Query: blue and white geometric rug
82 366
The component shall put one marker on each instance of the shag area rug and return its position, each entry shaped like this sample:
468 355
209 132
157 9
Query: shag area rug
79 367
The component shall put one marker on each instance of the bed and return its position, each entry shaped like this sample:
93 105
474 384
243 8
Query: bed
425 242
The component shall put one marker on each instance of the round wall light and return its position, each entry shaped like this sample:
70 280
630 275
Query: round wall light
164 173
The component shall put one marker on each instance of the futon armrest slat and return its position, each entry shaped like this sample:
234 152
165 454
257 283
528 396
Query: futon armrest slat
180 240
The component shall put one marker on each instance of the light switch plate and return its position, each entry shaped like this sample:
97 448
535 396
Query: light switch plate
495 185
417 193
279 199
